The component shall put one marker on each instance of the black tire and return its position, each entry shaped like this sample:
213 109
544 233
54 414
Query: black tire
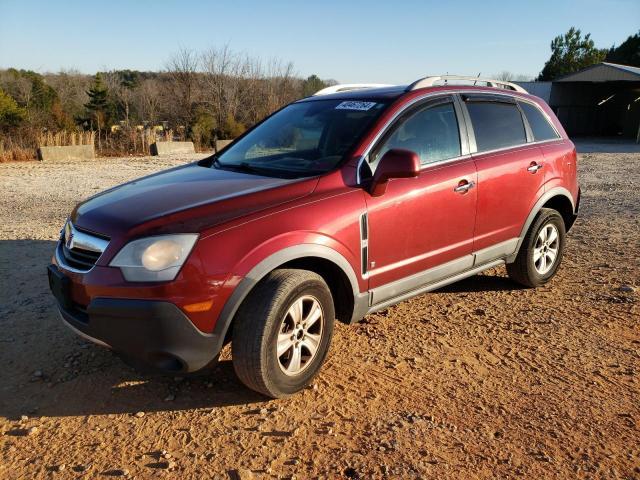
259 321
523 270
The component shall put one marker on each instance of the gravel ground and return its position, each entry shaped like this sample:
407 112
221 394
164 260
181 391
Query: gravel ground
478 380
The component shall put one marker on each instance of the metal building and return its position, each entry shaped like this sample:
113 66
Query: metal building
601 100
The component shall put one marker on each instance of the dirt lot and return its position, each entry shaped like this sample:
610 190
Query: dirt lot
479 380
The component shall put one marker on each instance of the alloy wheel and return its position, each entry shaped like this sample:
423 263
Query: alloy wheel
545 250
300 335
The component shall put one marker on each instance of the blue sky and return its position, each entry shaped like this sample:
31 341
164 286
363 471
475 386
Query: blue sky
350 41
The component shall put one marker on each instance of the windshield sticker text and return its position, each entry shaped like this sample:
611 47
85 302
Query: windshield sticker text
352 105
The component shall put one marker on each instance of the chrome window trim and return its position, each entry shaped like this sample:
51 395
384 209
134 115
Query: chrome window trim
514 147
446 161
473 150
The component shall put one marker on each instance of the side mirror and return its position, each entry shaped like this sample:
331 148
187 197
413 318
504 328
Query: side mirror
396 163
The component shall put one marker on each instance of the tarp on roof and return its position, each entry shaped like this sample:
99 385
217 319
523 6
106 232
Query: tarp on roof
604 72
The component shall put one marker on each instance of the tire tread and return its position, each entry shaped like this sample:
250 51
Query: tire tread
519 270
252 323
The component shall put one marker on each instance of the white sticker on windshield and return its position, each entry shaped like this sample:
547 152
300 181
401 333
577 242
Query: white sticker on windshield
353 105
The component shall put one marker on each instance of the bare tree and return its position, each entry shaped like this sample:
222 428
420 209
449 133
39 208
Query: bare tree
71 87
148 100
182 70
121 91
505 76
508 76
223 74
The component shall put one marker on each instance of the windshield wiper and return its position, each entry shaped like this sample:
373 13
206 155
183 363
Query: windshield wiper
244 167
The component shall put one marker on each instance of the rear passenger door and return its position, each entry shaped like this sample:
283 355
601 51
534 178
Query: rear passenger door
510 172
558 154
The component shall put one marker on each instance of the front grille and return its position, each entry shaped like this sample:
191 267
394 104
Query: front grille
80 250
80 259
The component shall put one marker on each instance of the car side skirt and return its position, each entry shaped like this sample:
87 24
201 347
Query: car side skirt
433 286
441 275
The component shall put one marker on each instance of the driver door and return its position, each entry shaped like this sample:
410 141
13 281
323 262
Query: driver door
421 229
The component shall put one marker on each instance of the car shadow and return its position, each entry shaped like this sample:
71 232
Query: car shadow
50 371
481 283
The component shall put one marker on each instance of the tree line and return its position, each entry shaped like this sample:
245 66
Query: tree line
201 96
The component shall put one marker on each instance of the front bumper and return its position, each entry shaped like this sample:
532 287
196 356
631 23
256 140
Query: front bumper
148 333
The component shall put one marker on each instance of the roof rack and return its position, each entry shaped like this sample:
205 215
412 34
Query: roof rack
446 79
349 86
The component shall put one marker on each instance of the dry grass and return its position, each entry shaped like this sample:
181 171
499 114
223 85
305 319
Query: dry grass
17 155
130 142
64 138
11 152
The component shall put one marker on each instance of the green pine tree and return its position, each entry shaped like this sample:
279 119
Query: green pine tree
311 85
627 53
97 105
570 53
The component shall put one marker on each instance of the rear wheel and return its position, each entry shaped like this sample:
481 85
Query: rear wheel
282 332
541 252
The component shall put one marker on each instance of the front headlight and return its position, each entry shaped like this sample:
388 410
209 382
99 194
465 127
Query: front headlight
154 259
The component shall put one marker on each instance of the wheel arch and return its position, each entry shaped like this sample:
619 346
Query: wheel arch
350 304
564 206
558 198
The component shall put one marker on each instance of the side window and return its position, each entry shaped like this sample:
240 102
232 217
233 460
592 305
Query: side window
540 126
432 132
496 124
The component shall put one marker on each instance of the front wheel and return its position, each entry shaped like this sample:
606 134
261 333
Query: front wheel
282 332
541 252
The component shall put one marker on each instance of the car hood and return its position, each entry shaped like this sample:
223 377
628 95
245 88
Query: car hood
187 198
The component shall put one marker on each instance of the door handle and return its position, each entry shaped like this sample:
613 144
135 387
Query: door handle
534 167
464 186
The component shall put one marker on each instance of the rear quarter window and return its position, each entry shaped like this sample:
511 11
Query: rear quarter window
540 126
496 125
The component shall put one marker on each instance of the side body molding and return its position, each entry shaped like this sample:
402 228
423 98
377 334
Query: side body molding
554 192
281 257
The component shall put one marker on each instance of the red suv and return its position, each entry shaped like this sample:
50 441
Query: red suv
335 206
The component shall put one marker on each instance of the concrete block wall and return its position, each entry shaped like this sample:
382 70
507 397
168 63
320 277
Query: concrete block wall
172 148
70 152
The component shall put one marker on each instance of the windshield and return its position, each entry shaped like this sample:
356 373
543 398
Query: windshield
303 139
